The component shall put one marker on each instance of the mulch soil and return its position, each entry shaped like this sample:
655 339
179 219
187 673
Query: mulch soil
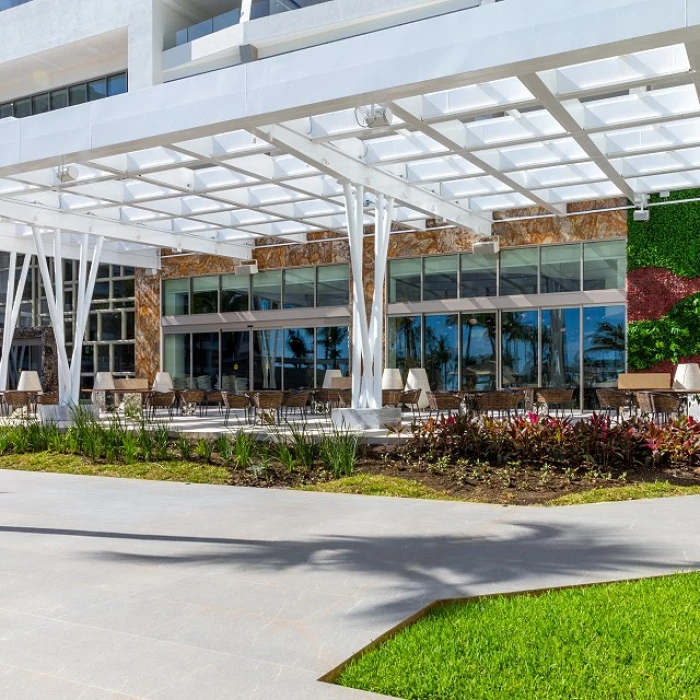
483 483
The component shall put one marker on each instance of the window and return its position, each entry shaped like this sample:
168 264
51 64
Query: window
404 341
235 293
176 358
267 290
441 351
404 280
519 345
298 358
479 276
299 287
604 348
604 265
333 285
479 342
519 271
332 351
561 348
440 277
176 297
66 96
205 295
560 269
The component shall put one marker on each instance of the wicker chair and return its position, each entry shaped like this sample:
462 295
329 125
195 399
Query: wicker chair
500 402
213 398
555 398
18 400
235 402
47 399
161 399
191 399
411 398
296 401
325 400
392 397
658 406
612 400
441 402
344 398
268 405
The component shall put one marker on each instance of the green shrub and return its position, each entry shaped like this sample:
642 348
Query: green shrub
338 450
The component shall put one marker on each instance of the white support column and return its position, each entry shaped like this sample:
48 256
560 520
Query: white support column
68 372
56 316
361 348
86 288
13 303
384 215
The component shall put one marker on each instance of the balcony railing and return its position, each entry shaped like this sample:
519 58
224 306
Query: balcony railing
7 4
260 8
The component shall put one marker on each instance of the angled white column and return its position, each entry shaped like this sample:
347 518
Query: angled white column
13 302
384 215
68 371
367 351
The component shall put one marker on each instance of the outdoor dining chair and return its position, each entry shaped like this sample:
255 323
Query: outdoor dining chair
18 400
611 400
235 402
268 406
160 399
191 400
557 399
658 406
501 403
411 399
296 401
443 402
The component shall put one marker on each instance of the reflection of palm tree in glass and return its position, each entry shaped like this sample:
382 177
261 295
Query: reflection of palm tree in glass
440 356
297 345
480 367
609 337
408 329
516 331
332 339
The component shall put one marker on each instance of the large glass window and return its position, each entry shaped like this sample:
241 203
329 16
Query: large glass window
332 351
604 265
205 360
441 351
560 269
561 348
298 357
205 295
519 344
267 290
176 358
479 276
404 280
267 359
333 285
440 277
235 293
176 297
404 342
604 349
235 360
299 287
479 340
519 271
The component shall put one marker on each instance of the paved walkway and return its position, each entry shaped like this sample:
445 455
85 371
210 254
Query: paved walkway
115 590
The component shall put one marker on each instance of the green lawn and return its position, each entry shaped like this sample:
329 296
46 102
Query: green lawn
631 492
631 641
377 485
174 470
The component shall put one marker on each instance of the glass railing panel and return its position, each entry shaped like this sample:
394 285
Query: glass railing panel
197 31
228 19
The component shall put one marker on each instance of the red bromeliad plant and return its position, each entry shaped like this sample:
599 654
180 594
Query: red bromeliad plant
596 443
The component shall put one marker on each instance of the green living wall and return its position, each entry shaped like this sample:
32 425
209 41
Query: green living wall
663 261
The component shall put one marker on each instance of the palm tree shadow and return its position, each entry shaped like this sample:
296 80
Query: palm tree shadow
417 569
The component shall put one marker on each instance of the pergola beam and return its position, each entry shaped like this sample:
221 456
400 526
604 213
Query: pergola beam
539 89
345 168
141 235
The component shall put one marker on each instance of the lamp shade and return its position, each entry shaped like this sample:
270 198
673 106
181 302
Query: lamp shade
163 382
103 381
391 379
687 377
328 377
418 379
29 381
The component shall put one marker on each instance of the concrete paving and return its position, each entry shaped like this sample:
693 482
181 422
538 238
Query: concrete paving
116 589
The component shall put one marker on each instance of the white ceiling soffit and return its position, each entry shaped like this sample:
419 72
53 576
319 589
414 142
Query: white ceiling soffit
517 123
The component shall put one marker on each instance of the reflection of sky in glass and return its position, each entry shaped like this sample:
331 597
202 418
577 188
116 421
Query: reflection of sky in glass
441 351
561 347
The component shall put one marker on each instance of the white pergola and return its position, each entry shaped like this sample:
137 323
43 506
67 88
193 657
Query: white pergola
513 105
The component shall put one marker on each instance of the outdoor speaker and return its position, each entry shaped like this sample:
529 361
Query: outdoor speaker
486 248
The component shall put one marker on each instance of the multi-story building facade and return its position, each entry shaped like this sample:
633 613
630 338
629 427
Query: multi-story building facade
548 306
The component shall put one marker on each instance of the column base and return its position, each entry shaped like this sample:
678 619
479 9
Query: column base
62 414
365 418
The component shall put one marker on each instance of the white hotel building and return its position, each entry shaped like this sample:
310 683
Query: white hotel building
421 183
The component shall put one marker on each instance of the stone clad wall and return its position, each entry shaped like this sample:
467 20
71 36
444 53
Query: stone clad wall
590 226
